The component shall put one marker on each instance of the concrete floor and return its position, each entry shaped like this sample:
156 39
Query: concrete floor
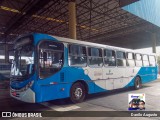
110 101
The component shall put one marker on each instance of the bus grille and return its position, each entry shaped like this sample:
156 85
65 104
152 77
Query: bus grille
62 77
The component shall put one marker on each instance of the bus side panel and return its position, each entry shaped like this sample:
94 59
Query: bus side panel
135 73
53 87
72 74
53 92
148 74
88 75
91 87
76 73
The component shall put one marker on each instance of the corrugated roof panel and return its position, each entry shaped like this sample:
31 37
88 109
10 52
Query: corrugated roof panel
148 10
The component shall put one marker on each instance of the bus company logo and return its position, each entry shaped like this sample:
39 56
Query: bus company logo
136 101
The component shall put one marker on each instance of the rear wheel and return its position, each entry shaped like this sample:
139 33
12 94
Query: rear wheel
137 83
77 93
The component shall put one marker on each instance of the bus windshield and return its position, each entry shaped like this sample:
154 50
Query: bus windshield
23 63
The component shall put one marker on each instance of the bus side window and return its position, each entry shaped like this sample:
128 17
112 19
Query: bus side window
130 59
138 60
121 58
53 58
77 55
152 61
109 57
95 57
145 60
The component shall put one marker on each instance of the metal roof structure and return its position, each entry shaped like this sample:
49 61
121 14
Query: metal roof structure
99 21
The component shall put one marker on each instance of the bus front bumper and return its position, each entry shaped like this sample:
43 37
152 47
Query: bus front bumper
25 96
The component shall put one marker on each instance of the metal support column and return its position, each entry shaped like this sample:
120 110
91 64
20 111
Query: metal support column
72 19
154 39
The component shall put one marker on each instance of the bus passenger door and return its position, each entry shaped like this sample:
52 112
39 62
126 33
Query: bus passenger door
51 59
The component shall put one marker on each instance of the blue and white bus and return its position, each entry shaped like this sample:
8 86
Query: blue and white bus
47 67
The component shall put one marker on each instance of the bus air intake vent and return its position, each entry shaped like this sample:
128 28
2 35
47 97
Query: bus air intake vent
62 77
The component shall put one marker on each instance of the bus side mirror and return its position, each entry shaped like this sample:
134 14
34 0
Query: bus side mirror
44 56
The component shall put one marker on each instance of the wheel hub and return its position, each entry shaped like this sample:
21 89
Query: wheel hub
138 83
78 93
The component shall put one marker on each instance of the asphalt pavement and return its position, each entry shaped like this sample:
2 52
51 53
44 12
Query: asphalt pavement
108 101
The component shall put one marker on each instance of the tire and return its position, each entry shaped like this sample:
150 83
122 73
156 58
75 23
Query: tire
77 93
137 83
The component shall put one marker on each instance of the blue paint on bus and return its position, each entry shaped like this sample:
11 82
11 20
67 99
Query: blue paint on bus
58 85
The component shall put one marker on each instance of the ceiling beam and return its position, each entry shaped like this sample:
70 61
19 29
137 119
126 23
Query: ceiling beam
27 11
123 31
126 2
1 1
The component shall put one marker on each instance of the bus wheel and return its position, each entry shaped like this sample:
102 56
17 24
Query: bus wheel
77 93
137 83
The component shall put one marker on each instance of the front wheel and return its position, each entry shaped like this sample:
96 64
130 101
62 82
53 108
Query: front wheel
137 83
77 93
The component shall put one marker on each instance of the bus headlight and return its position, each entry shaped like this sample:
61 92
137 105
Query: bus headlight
27 86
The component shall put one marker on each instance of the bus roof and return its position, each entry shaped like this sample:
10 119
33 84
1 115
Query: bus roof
68 40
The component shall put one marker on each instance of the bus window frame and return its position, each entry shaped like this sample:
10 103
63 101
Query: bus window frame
104 58
93 56
145 60
138 60
131 59
86 54
37 60
154 59
119 58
